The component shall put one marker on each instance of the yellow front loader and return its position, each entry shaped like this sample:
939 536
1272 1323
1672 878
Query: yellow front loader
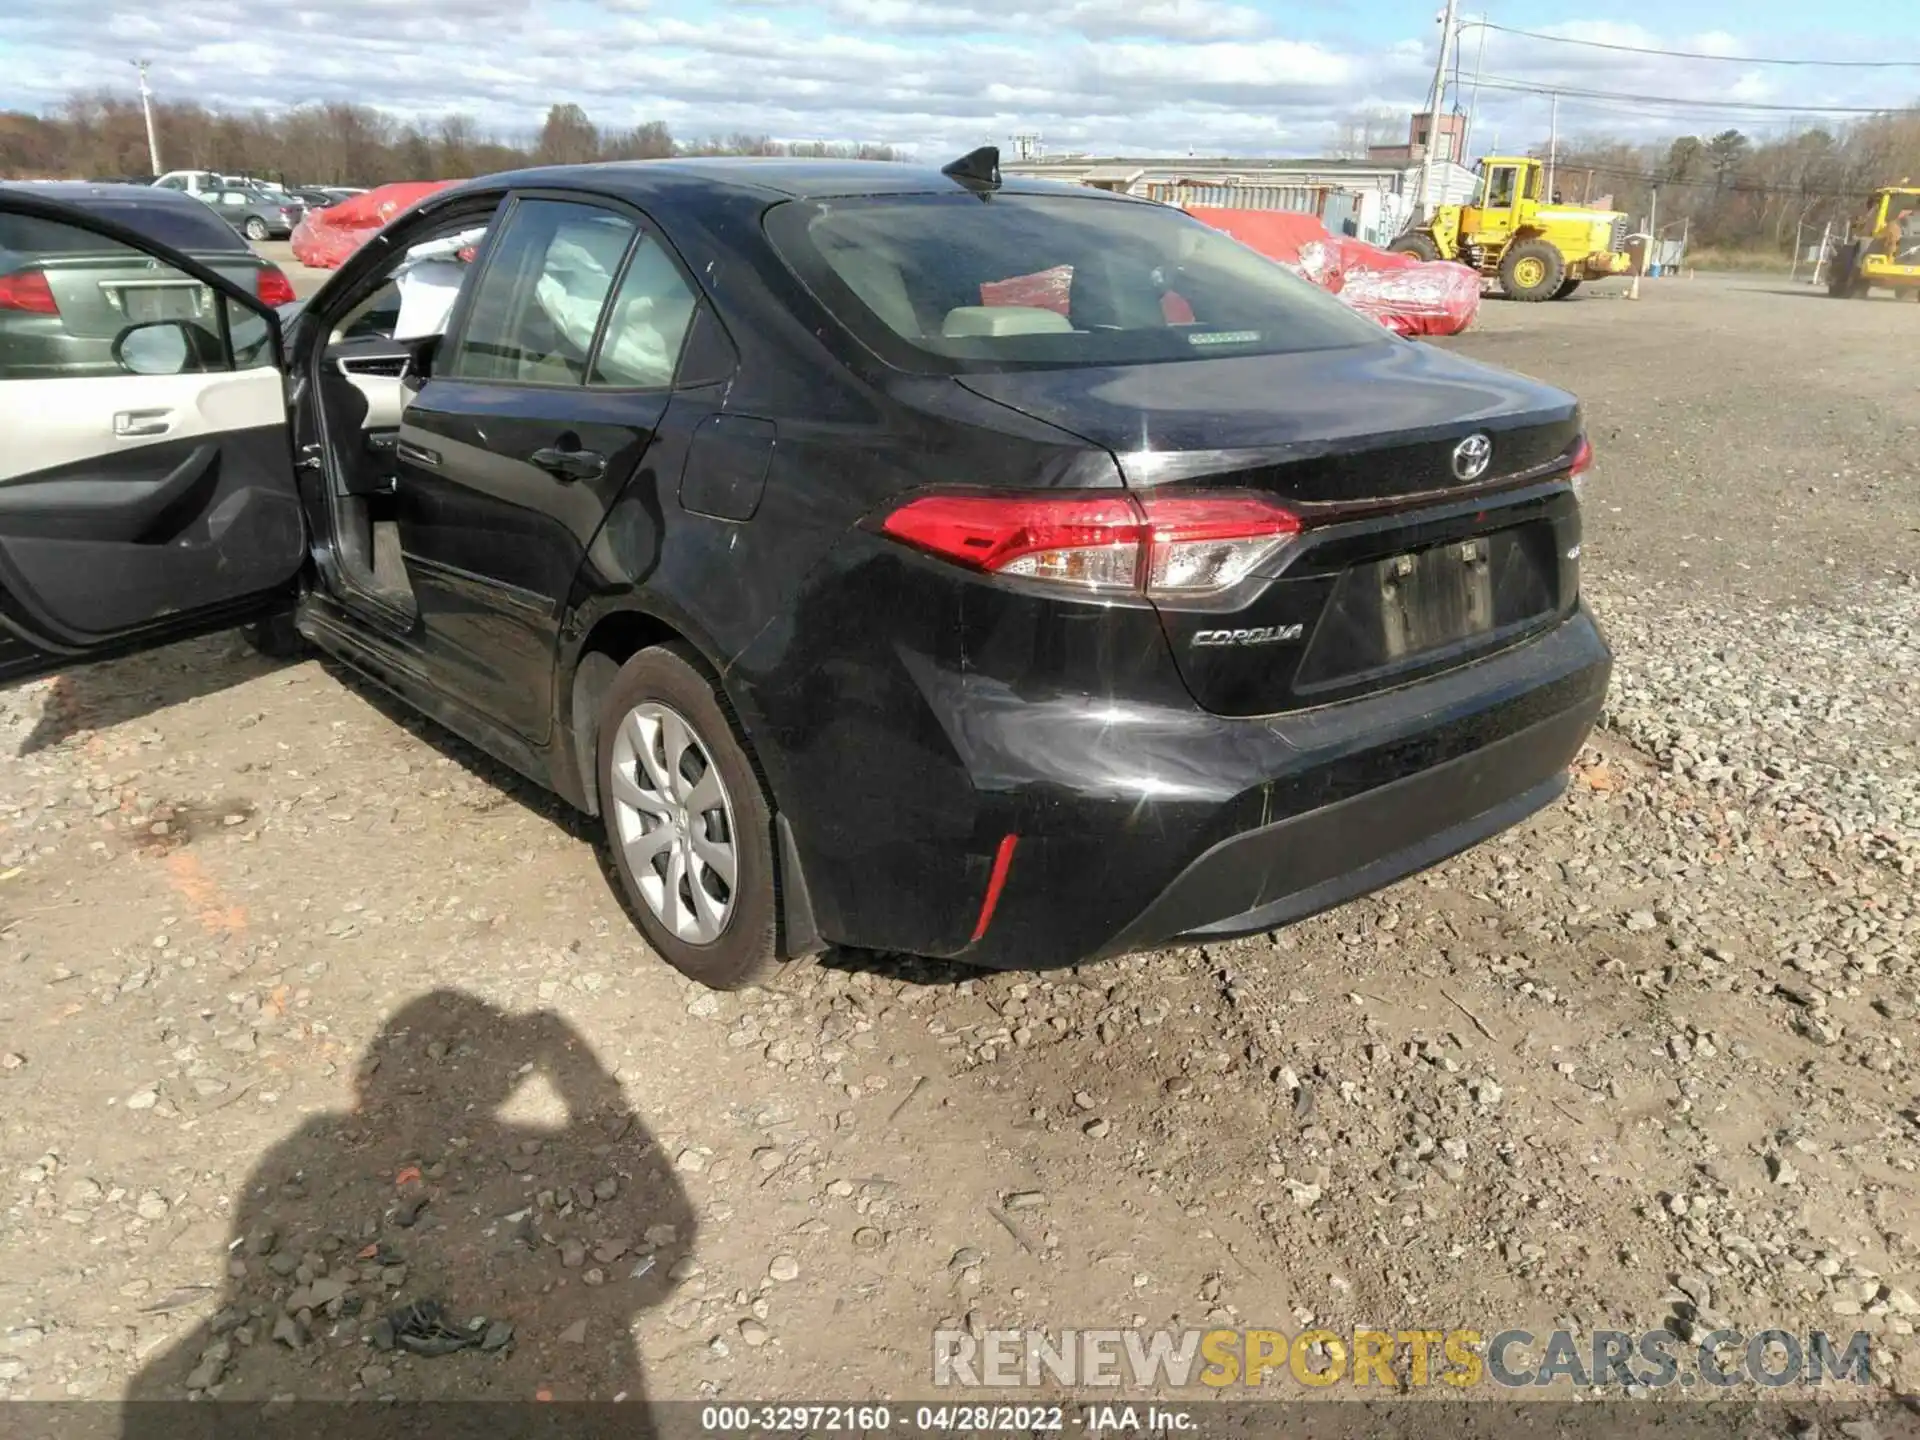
1887 253
1537 250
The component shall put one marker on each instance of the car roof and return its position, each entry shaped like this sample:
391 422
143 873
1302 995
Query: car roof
79 192
788 178
124 204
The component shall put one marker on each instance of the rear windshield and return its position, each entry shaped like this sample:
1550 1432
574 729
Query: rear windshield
196 230
955 282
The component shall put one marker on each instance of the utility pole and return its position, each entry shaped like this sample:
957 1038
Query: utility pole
1653 227
1553 144
1433 109
146 108
1473 102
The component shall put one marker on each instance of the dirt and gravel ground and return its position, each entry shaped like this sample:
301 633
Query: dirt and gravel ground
308 1012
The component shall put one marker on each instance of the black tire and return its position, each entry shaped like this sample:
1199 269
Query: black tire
1843 280
275 637
1567 287
1413 243
256 228
745 949
1532 271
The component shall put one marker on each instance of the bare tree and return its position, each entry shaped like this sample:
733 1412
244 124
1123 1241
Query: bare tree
102 134
568 137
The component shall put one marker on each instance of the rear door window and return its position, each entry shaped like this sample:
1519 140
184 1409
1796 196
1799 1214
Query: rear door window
538 305
647 322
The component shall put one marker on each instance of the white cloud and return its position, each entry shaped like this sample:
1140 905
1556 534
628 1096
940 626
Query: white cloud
1168 76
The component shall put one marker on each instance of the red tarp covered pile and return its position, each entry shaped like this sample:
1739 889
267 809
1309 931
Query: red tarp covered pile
325 238
1413 297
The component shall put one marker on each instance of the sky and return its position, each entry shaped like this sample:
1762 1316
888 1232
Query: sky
937 77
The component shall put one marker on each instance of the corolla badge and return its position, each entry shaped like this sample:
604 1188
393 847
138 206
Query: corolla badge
1255 635
1472 456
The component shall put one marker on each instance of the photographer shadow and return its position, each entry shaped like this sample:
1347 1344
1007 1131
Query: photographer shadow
422 1246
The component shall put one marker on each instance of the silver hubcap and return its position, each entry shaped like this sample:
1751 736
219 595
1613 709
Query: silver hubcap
674 821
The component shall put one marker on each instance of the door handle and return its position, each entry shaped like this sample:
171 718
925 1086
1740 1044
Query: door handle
569 464
130 423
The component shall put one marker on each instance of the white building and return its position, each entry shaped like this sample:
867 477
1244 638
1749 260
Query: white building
1372 199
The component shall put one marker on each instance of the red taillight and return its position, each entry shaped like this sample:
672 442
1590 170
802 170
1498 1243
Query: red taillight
1169 545
272 286
1201 544
1580 464
28 290
1075 540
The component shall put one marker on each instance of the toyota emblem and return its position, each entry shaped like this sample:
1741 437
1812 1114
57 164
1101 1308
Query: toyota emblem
1471 457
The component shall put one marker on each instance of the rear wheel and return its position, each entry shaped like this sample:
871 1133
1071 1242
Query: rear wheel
1532 270
1567 287
1419 246
689 825
256 228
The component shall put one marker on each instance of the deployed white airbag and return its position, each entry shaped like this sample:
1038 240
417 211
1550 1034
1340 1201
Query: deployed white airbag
429 281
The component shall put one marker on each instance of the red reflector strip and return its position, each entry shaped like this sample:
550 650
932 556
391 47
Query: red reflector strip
996 882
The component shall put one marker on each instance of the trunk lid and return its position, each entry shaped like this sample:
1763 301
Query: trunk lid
1409 563
1377 422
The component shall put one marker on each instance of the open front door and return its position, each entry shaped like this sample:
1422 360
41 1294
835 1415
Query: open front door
146 474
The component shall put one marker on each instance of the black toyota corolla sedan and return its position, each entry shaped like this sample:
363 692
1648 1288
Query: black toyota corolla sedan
905 559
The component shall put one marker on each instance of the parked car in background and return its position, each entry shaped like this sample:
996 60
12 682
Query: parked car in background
892 557
67 294
195 182
313 197
255 213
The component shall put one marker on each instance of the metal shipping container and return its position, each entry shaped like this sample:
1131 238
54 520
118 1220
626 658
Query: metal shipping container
1301 199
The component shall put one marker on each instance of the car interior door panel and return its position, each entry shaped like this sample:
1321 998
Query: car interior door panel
362 380
157 490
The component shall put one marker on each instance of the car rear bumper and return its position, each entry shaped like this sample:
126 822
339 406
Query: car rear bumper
1281 873
1192 826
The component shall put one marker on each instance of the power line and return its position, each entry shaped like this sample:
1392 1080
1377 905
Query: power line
1529 87
1681 116
1696 54
1623 174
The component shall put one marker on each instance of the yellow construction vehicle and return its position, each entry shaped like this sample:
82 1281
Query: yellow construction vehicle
1537 250
1887 254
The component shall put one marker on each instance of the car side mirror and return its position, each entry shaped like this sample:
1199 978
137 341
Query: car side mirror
161 347
420 356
